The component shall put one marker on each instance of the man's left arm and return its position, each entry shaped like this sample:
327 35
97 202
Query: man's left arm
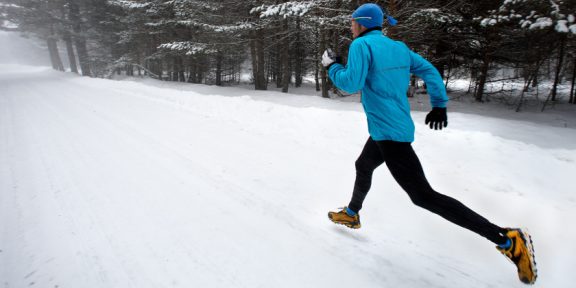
437 118
434 84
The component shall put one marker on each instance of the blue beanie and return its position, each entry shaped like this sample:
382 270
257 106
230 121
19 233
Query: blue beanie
371 15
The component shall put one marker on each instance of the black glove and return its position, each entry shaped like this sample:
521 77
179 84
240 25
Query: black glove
437 118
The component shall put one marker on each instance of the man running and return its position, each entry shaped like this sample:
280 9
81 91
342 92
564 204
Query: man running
380 68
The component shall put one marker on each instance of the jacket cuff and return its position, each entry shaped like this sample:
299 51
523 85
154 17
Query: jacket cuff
328 67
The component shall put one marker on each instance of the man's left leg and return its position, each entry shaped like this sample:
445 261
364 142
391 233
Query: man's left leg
407 171
405 166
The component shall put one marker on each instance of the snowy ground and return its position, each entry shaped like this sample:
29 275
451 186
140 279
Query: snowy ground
153 184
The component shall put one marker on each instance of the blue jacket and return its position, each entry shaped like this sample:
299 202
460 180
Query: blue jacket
381 68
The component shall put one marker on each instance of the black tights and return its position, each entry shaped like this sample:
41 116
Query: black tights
407 170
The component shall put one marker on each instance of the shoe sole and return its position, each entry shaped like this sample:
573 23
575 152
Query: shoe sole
347 224
530 245
527 239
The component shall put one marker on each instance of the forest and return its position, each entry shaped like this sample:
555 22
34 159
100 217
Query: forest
489 42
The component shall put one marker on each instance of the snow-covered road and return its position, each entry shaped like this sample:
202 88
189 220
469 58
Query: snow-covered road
123 184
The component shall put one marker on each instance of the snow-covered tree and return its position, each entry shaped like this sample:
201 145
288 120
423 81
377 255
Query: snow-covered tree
554 19
208 41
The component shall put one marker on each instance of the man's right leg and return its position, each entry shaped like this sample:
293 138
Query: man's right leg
369 160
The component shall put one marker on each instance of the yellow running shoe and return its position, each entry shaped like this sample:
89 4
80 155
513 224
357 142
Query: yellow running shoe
343 218
521 253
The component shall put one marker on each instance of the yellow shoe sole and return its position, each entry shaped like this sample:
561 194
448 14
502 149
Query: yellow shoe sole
352 225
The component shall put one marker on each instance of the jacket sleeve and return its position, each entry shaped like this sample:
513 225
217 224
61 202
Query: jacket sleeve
352 77
434 84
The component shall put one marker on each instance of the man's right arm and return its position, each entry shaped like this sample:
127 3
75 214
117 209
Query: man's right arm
351 78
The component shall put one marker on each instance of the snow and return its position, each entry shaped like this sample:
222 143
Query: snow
154 184
555 8
8 25
508 2
561 26
191 48
435 15
129 4
573 28
488 22
217 28
541 23
525 23
287 9
559 20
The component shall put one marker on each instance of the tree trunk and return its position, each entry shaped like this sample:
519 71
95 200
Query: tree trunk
54 54
261 61
254 59
449 73
317 75
440 58
192 73
70 50
139 64
558 67
473 76
483 77
198 73
79 39
219 68
317 66
258 62
323 74
572 96
181 74
286 75
270 74
278 69
299 55
173 70
533 75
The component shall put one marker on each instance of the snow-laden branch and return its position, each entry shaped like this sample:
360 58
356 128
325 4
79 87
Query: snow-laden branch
190 48
193 23
288 9
217 28
126 4
9 5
